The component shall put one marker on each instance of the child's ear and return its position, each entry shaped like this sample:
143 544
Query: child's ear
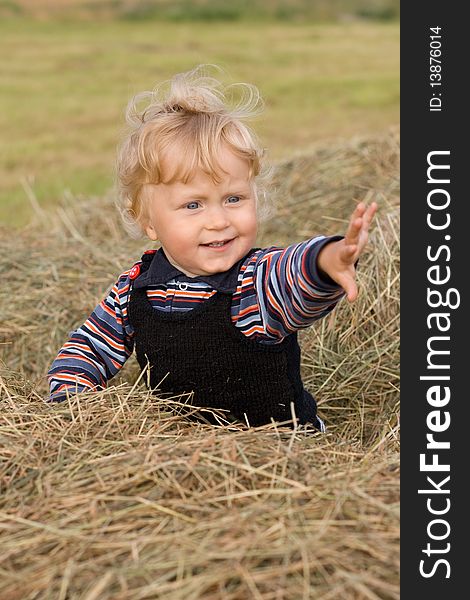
150 231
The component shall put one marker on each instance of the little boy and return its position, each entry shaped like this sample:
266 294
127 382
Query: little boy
208 313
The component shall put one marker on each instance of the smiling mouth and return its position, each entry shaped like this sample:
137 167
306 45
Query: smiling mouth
218 244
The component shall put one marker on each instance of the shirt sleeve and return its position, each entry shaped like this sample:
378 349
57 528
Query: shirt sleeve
288 291
96 351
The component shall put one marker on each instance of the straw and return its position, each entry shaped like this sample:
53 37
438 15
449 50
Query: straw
118 495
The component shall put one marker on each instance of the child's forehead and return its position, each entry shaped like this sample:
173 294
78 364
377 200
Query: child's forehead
179 165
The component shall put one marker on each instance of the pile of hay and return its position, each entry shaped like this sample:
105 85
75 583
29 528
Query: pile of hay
115 495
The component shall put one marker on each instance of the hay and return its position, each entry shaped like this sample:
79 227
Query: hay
115 495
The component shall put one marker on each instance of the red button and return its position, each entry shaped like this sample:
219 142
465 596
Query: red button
134 272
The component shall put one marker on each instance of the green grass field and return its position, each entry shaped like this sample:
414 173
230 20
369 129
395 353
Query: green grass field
65 86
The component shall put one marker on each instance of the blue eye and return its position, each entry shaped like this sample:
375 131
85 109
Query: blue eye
233 199
192 205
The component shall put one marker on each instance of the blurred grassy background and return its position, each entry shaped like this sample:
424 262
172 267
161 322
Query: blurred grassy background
67 69
191 10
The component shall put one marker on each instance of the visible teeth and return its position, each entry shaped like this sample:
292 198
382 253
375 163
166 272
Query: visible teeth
216 244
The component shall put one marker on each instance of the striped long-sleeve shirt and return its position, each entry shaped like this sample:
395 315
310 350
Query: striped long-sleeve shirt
279 291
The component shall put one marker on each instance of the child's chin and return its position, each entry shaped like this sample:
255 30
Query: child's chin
219 266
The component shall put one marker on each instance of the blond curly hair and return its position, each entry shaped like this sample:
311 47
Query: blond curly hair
195 114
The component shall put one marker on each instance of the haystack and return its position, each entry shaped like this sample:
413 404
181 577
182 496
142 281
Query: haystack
116 495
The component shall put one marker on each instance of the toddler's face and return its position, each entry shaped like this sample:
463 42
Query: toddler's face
205 227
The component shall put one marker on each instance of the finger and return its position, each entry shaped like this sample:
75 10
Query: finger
366 221
353 231
352 295
349 286
348 254
360 209
369 215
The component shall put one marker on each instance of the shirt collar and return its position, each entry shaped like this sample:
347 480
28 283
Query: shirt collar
160 271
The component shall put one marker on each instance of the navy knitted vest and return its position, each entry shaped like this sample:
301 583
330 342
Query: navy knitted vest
202 351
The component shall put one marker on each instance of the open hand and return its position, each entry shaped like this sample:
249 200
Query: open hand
338 258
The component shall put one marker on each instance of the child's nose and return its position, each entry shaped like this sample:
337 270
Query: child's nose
217 219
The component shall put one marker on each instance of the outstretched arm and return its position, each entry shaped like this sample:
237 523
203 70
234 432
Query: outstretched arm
337 259
96 350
